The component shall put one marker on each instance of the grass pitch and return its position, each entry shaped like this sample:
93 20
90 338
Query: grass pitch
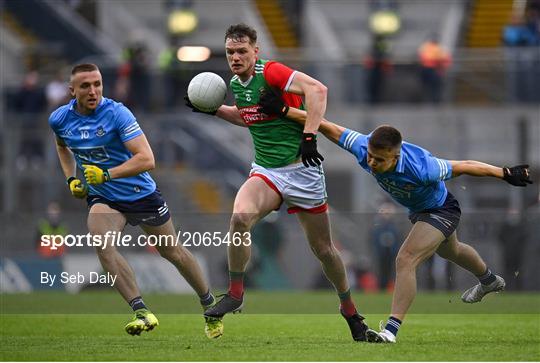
274 327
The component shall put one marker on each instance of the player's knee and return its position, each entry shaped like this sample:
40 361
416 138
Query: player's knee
172 254
323 251
242 221
106 254
405 260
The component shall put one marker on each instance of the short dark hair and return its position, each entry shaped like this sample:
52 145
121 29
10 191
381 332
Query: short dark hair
385 137
238 31
84 67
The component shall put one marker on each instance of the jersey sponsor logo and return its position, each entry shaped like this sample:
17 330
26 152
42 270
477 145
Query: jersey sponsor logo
96 154
100 132
393 188
252 115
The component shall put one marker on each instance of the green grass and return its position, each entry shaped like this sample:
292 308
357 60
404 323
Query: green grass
481 332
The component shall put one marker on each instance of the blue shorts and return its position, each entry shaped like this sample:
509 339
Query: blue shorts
151 210
445 218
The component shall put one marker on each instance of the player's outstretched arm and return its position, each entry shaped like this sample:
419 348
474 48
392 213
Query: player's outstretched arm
271 103
230 114
329 129
515 175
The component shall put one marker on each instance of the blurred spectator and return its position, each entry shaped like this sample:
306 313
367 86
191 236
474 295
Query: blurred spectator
176 77
532 23
522 39
513 240
30 98
378 66
434 61
439 273
122 84
132 86
140 77
386 238
366 280
57 92
51 225
268 242
28 102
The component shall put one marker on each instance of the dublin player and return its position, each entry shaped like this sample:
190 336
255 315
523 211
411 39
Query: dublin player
103 139
415 179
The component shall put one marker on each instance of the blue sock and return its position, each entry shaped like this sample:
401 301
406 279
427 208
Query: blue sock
137 303
487 278
392 325
207 299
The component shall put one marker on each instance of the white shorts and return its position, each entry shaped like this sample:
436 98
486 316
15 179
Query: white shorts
302 189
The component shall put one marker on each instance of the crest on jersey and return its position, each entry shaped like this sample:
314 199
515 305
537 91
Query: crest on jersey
100 131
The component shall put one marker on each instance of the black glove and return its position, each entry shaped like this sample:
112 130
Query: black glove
308 150
517 175
195 109
271 103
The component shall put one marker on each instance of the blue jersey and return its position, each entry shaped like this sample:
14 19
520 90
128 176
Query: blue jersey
98 139
417 181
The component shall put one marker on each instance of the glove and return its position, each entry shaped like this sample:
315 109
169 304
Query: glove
271 103
517 175
195 109
95 175
77 188
308 150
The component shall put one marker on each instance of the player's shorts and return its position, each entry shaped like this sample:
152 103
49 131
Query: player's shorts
445 218
151 210
302 189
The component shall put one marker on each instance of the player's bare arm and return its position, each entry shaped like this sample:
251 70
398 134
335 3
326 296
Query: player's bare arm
475 168
329 129
141 161
315 99
516 175
231 114
67 160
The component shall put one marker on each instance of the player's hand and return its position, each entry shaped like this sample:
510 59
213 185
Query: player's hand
517 175
77 188
308 150
95 175
271 103
195 109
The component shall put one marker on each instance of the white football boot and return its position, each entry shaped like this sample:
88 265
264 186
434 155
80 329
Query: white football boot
477 292
384 336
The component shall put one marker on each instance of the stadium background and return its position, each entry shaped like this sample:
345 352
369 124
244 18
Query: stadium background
364 51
